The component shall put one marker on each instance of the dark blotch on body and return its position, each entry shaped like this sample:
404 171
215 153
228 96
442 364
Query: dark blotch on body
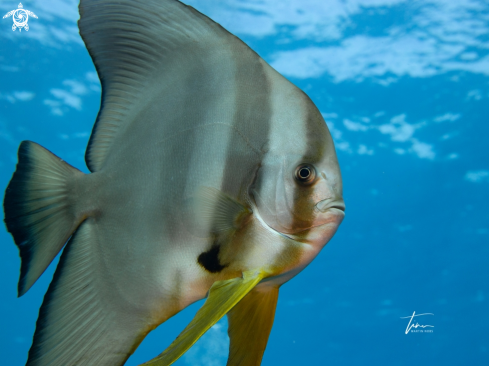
210 260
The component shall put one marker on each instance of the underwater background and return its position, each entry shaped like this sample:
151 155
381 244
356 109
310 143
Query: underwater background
404 88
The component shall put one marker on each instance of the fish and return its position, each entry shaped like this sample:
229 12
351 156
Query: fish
211 176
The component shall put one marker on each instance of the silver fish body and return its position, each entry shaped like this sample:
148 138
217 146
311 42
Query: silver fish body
206 164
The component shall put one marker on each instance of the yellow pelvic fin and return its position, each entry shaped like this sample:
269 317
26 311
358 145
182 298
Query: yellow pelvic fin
223 295
250 323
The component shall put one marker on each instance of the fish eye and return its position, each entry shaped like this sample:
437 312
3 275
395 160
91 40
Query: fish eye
305 173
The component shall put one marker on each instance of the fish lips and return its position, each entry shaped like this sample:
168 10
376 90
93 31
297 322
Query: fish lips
331 204
330 215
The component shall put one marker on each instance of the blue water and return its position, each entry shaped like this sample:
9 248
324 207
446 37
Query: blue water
404 87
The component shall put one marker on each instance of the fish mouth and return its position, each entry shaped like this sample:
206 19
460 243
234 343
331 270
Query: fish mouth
328 204
334 211
333 207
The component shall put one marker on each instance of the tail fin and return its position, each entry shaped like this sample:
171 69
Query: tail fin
38 212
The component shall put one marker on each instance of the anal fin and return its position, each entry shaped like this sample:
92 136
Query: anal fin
80 323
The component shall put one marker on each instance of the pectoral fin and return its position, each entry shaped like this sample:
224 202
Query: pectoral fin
223 295
220 211
250 323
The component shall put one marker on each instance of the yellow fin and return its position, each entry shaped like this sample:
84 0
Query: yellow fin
223 295
250 323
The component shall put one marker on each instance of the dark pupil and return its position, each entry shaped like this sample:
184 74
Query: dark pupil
304 173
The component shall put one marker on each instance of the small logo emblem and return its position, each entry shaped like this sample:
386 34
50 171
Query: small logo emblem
417 325
20 17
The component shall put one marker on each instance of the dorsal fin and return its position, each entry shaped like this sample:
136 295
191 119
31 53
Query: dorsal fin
134 45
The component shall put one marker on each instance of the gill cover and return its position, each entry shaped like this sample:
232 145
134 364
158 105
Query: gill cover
285 200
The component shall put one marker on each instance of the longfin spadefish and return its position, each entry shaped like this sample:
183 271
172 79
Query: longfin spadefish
250 323
38 212
223 295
